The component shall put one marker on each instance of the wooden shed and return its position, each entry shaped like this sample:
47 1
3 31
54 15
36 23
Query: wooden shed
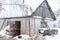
31 24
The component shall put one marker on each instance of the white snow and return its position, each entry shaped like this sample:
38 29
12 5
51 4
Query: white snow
23 37
3 33
55 37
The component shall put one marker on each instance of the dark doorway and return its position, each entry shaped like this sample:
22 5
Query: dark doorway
18 27
15 28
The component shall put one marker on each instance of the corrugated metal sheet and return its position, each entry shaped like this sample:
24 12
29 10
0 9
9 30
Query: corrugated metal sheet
14 11
13 8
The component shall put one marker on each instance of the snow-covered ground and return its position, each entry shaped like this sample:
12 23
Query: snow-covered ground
3 33
24 37
55 37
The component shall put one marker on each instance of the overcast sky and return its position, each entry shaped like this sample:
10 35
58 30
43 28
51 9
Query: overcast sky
53 3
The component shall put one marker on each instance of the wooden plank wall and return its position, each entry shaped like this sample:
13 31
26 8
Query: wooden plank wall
26 27
34 26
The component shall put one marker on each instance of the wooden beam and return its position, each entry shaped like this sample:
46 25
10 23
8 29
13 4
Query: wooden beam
16 17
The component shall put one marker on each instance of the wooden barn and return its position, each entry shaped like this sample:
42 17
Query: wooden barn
29 24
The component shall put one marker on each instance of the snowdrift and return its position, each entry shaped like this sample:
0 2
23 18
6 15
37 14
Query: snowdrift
54 37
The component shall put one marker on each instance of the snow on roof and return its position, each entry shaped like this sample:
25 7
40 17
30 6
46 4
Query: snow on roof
15 11
42 10
13 8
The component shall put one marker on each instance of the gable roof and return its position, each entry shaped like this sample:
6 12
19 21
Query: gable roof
44 10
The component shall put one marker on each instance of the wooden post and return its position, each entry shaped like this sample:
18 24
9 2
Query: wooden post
28 26
3 24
